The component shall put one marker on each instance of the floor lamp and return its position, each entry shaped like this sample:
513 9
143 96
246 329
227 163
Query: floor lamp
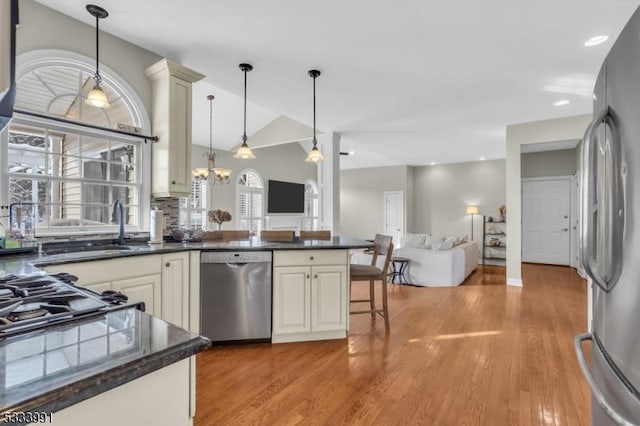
472 210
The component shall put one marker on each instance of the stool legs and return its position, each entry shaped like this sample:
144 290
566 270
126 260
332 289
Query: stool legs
385 308
372 299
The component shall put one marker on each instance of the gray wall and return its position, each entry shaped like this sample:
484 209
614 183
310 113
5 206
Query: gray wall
362 198
280 162
549 163
44 28
442 193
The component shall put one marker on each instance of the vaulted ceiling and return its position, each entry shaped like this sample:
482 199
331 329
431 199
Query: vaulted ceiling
404 82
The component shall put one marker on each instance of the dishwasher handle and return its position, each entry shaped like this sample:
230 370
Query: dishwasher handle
236 264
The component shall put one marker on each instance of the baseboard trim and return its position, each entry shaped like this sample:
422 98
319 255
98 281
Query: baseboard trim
516 282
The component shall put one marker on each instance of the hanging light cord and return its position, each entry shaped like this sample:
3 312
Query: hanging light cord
210 124
244 135
315 141
97 77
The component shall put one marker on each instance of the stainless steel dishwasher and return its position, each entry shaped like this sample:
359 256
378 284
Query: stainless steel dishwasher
235 295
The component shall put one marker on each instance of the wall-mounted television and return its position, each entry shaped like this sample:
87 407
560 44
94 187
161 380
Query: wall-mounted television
285 197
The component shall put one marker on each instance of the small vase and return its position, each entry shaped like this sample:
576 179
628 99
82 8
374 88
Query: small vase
219 226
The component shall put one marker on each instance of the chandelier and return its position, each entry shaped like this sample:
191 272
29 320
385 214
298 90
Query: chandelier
211 173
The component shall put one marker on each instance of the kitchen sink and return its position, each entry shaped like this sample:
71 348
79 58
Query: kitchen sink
90 250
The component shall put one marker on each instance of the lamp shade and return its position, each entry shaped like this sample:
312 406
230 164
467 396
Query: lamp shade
244 152
472 209
97 97
314 155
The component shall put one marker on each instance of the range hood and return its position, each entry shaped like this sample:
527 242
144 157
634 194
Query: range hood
8 26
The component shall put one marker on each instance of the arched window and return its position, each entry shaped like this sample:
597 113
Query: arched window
311 206
249 201
73 174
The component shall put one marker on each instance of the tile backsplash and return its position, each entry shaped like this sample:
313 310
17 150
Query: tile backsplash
171 211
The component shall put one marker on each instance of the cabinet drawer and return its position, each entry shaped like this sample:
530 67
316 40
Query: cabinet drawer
100 271
309 257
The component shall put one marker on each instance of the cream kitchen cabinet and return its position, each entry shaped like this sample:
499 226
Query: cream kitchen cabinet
146 288
310 295
160 281
171 86
175 288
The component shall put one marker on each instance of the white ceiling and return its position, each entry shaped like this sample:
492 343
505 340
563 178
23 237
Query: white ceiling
404 82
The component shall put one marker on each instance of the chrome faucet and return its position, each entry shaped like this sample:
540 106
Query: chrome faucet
114 219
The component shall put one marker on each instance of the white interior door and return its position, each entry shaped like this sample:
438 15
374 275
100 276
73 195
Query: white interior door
394 215
546 221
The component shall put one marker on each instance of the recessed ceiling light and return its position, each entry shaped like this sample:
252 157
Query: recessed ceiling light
481 158
433 163
562 102
352 152
594 41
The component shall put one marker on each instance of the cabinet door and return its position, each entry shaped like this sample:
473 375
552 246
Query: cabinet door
329 298
291 299
175 288
145 289
180 143
98 288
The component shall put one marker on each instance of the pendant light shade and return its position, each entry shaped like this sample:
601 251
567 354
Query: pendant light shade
211 173
315 155
96 96
244 152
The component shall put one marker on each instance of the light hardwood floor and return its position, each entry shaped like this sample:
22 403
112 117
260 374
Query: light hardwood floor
471 355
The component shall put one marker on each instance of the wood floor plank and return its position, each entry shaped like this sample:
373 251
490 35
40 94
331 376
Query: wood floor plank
479 354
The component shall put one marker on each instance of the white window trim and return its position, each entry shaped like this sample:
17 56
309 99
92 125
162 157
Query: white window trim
240 188
27 62
317 197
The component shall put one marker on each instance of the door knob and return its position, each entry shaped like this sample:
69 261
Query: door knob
167 264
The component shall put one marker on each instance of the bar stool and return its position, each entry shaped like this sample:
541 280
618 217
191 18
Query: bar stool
315 235
371 273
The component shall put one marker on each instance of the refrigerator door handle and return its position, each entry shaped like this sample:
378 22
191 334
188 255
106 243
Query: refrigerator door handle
595 391
604 207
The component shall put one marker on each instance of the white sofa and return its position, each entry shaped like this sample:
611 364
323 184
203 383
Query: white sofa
434 268
440 268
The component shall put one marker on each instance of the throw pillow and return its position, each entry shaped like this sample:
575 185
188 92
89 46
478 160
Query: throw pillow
427 241
413 240
444 243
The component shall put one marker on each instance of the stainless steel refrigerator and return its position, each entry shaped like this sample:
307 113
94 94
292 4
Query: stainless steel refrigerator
610 241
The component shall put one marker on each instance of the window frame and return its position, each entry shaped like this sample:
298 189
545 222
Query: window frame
314 221
32 61
241 188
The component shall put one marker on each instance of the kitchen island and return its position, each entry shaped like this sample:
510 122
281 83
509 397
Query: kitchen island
131 363
123 367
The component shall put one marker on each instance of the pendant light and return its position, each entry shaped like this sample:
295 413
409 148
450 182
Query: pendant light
244 151
96 96
211 173
314 155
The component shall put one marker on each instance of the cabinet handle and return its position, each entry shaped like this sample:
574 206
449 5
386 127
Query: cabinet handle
315 276
308 276
311 258
173 182
167 264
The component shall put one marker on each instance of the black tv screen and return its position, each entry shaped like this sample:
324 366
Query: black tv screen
285 197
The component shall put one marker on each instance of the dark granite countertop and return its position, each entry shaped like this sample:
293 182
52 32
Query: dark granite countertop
31 263
53 368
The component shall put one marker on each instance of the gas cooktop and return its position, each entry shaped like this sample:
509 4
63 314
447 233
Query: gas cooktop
33 302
